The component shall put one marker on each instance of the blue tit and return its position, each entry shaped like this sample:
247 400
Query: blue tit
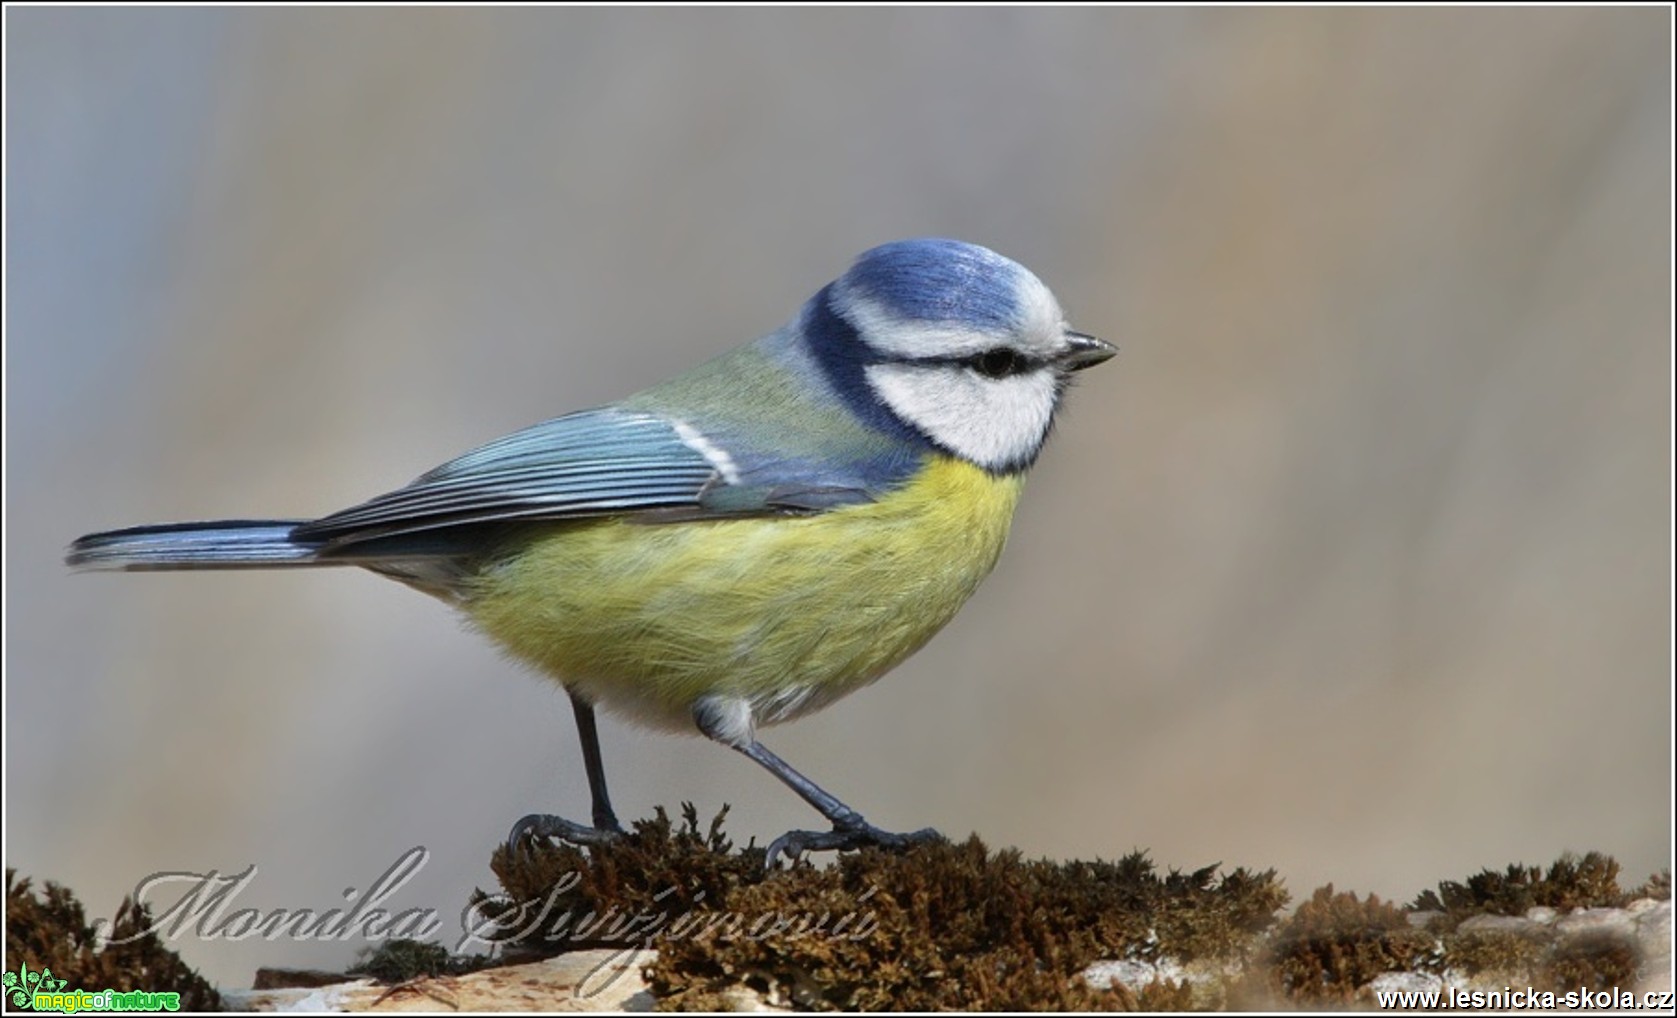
740 545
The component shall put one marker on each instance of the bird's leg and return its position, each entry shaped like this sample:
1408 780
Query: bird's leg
606 828
849 829
605 818
728 721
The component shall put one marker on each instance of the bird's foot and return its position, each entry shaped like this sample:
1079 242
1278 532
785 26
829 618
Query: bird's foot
543 826
860 834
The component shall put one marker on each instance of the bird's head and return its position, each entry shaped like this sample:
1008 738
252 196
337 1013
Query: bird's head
953 343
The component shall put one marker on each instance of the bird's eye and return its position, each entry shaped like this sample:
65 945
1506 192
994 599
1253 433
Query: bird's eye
999 362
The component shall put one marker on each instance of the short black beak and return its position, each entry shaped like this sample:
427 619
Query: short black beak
1085 352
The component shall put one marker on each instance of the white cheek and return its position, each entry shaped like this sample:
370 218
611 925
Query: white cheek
994 422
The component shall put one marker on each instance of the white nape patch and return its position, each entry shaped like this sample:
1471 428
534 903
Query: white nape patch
997 423
714 454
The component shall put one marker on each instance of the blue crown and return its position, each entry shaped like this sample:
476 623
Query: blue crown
931 279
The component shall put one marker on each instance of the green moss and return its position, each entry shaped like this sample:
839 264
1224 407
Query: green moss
50 932
1335 944
947 926
938 926
960 927
558 897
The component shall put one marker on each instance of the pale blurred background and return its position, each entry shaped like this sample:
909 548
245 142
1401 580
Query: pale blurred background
1355 563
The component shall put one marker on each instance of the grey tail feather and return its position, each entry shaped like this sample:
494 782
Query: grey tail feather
218 544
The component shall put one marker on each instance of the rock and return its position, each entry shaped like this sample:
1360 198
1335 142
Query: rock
1134 975
601 980
1653 935
1512 924
1406 982
305 999
1613 921
289 979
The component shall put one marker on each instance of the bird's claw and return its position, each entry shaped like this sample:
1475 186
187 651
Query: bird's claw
793 844
544 826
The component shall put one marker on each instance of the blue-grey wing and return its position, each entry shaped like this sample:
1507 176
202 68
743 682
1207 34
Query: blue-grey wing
605 462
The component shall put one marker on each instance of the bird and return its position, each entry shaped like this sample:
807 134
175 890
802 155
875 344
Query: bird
739 545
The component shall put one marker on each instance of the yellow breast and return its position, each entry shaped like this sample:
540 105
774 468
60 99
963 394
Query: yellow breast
787 612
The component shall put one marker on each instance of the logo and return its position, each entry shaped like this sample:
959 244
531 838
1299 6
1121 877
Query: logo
22 985
42 991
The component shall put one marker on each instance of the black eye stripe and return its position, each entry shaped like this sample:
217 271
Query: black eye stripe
996 362
999 362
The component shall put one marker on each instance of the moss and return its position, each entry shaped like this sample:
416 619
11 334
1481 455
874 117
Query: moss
1538 955
1544 960
50 933
558 897
947 926
1335 944
1495 951
1657 887
1168 995
938 926
957 926
1596 960
1570 882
